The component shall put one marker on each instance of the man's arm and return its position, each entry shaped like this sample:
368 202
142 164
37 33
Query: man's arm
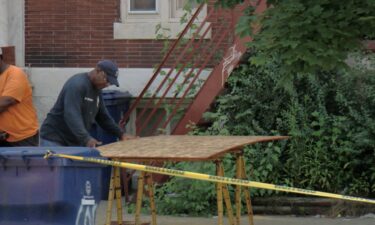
14 90
6 102
106 122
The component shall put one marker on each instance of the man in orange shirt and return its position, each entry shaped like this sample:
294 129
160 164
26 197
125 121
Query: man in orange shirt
18 119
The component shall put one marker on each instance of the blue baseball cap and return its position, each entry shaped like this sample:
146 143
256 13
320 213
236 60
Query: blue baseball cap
110 69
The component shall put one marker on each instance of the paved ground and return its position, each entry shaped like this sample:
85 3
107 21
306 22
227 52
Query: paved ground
368 219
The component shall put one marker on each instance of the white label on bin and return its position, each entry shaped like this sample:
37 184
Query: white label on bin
86 212
87 202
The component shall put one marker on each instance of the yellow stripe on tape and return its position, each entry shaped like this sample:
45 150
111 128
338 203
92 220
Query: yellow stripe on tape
206 177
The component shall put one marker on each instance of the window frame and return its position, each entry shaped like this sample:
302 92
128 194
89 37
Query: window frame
156 11
176 13
139 25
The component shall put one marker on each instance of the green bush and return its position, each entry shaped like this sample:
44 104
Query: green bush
331 120
187 197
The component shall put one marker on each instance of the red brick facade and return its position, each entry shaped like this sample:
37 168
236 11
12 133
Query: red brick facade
77 33
9 56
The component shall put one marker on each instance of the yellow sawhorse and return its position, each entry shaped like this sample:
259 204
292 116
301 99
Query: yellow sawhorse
223 193
145 181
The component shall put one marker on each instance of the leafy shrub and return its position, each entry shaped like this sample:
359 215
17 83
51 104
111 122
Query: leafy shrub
330 117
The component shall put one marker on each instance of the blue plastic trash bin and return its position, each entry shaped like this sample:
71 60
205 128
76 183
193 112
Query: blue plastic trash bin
57 191
117 103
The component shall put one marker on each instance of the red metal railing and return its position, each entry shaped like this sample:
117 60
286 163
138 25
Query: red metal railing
186 60
161 96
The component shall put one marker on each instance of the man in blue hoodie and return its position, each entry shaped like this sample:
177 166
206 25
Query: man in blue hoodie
78 106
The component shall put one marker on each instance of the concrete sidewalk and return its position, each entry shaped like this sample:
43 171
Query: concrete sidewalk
368 219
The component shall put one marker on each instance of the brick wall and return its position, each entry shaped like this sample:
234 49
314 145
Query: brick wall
9 56
77 33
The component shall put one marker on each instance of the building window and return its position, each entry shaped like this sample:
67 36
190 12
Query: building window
139 18
180 4
177 8
143 6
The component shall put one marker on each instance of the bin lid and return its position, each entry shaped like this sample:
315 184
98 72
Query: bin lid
116 98
34 156
115 94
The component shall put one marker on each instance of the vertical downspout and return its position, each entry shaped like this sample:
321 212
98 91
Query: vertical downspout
4 23
16 29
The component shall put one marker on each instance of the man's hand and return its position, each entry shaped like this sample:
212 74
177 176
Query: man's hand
6 102
92 143
125 137
3 135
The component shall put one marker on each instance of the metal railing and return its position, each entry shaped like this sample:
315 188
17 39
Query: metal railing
203 47
186 59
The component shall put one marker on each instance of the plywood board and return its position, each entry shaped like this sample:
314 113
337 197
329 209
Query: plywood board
179 147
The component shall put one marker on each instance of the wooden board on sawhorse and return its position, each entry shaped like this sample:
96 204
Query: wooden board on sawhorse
182 148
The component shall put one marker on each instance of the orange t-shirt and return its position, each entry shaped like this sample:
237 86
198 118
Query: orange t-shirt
19 120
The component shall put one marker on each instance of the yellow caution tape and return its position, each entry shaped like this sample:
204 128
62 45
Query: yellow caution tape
206 177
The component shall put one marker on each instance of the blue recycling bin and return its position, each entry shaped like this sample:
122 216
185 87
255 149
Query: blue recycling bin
54 191
117 104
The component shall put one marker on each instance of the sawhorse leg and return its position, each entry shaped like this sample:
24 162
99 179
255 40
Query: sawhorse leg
114 188
241 174
247 195
219 193
221 190
150 186
138 204
238 189
111 195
